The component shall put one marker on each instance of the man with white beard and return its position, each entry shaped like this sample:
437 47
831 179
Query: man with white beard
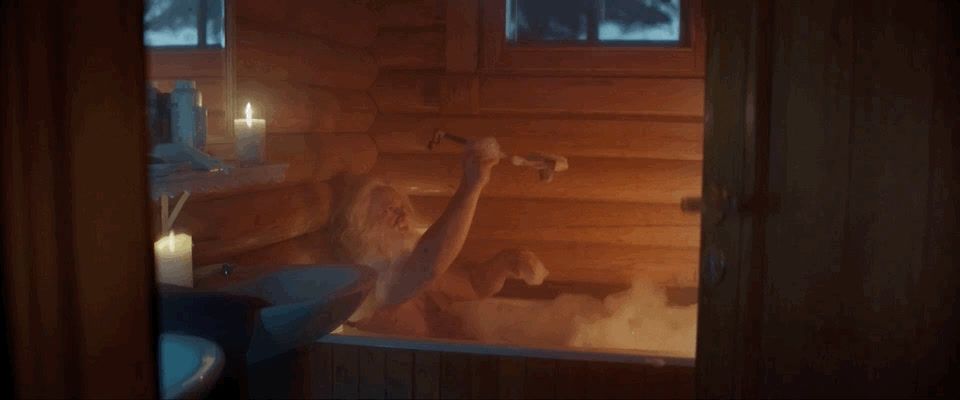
415 284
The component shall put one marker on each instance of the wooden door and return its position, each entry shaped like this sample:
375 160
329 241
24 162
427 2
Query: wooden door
845 113
734 196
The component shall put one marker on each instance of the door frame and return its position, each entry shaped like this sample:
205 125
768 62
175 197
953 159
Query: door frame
77 264
736 198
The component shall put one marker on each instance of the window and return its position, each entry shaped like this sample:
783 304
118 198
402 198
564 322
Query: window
662 38
593 22
184 24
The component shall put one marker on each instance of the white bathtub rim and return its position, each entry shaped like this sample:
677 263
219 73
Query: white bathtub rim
458 346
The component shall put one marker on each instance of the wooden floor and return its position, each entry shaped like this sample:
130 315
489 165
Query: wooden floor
345 371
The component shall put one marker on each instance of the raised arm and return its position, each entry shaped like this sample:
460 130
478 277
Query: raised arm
442 242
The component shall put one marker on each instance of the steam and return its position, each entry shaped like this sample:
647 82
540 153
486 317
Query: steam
638 319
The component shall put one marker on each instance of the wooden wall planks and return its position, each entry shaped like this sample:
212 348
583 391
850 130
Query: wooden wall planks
408 13
592 95
310 248
180 64
634 142
569 135
340 21
305 66
400 373
598 262
483 373
410 50
589 179
222 228
291 107
455 379
518 213
263 53
409 92
371 382
320 157
346 372
426 375
320 382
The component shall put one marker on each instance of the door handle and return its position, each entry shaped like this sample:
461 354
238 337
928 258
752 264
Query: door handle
716 198
725 204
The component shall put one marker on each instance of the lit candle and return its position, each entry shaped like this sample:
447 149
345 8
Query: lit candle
249 133
173 255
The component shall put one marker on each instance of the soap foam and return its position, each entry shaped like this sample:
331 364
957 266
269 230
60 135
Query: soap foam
637 319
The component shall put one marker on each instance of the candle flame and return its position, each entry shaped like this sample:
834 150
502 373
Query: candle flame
249 113
171 243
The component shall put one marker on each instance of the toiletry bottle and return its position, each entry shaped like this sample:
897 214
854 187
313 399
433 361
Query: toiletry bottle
153 114
200 128
183 103
163 115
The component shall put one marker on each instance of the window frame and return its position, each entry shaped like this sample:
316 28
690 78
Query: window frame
684 60
201 44
213 62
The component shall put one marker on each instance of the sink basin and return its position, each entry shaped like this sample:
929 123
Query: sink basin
189 366
255 314
302 304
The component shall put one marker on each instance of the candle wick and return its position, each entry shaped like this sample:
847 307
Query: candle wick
249 114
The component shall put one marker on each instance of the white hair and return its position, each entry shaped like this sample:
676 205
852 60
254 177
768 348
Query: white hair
360 238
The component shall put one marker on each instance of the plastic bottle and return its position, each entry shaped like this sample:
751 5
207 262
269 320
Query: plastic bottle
183 113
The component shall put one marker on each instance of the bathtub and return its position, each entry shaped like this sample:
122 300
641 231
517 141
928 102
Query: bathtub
366 365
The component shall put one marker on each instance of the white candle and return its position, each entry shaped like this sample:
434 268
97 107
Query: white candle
249 134
173 255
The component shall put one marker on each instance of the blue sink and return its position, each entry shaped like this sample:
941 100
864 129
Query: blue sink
189 366
254 316
302 304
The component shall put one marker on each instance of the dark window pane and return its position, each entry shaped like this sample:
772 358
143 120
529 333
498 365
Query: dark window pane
640 20
174 23
591 21
539 20
170 23
215 36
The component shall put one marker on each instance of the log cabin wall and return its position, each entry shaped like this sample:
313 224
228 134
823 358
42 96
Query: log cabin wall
306 67
634 143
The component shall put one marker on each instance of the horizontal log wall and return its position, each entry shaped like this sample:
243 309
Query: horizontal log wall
634 144
306 67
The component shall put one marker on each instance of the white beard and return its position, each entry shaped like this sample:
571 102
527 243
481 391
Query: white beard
382 246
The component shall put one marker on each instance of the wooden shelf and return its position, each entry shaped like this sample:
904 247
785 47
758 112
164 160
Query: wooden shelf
211 181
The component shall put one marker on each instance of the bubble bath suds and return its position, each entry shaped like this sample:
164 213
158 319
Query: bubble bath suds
637 319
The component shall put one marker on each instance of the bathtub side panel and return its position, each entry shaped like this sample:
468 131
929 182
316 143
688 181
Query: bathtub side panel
448 373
